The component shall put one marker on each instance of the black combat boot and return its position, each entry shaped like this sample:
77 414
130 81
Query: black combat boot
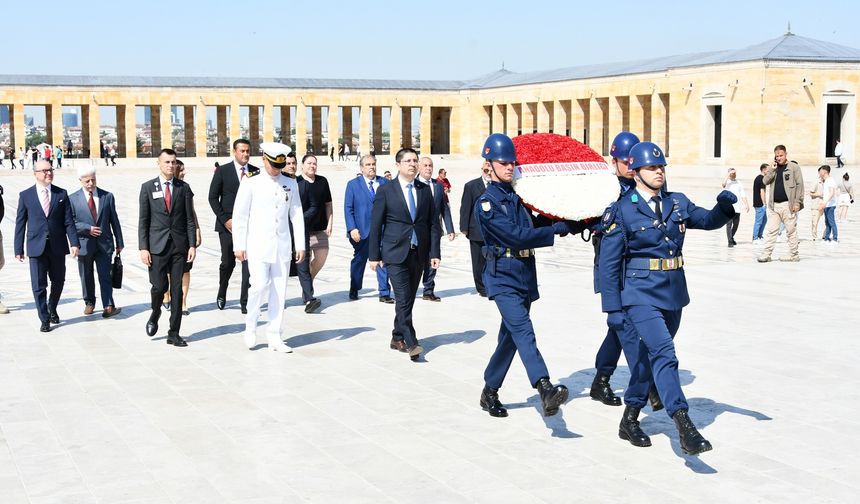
552 396
601 391
654 398
692 443
490 403
629 428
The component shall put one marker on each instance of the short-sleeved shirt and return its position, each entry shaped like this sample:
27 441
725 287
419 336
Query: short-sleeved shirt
825 190
318 194
779 194
758 185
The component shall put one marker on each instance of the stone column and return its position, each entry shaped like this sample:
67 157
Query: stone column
301 130
364 129
18 127
316 130
498 118
285 125
659 113
268 111
190 128
398 135
222 133
595 123
200 132
529 112
155 129
166 127
426 130
512 122
129 130
235 123
545 119
92 113
616 116
377 129
54 122
346 112
637 116
579 120
254 129
332 128
559 118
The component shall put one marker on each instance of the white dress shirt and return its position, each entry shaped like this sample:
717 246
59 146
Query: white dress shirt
403 184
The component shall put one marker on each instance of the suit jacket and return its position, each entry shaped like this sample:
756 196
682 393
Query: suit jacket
440 204
468 222
156 225
391 225
223 190
357 205
107 219
57 226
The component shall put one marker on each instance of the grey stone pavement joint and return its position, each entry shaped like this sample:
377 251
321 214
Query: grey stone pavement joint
97 412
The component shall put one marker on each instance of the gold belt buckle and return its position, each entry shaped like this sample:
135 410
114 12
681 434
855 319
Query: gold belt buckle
653 264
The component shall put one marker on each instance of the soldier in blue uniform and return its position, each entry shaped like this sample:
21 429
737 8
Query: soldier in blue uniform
643 288
510 277
610 350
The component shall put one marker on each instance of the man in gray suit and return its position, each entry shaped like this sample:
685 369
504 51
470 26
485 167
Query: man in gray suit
97 223
443 213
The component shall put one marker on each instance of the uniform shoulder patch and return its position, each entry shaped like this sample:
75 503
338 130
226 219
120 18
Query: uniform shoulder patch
607 222
486 206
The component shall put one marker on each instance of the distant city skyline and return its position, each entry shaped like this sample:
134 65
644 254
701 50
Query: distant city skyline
374 40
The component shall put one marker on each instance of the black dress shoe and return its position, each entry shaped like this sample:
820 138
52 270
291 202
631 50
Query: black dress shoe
601 391
482 294
166 306
176 340
46 327
313 305
398 345
431 297
55 319
386 299
654 398
152 326
551 396
353 295
220 303
490 403
629 428
692 443
243 309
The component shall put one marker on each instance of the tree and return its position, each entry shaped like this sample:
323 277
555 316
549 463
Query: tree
36 137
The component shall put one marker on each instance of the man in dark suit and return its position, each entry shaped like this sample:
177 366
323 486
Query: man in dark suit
45 215
442 213
402 221
167 237
357 206
3 309
222 196
469 227
97 222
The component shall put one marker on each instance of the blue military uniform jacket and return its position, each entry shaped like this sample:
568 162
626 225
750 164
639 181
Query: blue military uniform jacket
632 236
507 228
625 185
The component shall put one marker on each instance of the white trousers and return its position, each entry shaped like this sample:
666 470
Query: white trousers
268 281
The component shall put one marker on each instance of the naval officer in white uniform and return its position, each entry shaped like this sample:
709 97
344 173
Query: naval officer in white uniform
264 207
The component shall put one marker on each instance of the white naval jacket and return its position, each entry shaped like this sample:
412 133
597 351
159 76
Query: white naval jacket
261 218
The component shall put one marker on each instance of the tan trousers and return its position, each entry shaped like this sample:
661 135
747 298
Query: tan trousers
780 214
816 216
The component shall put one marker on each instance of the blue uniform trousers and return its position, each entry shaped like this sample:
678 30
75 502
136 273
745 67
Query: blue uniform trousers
360 253
608 354
650 340
516 334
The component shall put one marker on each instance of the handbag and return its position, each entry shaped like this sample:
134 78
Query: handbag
116 273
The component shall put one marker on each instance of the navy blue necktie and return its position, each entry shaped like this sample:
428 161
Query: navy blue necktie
372 192
412 212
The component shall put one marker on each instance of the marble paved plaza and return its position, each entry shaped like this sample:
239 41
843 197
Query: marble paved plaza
96 411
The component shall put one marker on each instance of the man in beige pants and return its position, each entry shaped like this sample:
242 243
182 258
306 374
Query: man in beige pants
815 207
784 199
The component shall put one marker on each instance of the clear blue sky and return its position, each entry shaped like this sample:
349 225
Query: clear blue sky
440 39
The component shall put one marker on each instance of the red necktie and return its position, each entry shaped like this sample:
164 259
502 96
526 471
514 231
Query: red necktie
243 174
167 195
92 205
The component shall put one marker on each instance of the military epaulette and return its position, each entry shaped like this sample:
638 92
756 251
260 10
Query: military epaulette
607 222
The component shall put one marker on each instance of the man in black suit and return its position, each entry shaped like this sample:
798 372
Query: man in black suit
167 237
45 218
469 227
442 213
222 196
402 221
